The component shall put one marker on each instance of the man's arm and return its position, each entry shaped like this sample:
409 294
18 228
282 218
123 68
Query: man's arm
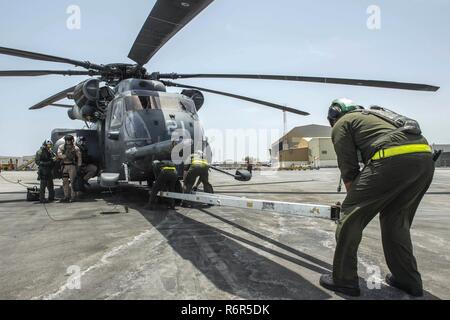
346 152
348 185
60 153
79 159
37 158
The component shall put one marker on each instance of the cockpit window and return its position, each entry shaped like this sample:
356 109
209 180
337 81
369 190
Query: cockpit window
135 127
117 114
134 103
176 103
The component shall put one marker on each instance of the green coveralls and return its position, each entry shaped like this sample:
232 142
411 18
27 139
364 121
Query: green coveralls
44 159
391 186
197 168
166 178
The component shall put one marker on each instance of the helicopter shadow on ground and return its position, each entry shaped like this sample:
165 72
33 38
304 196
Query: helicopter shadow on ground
229 265
229 261
382 292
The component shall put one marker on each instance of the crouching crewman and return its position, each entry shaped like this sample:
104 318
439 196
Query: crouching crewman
166 177
88 168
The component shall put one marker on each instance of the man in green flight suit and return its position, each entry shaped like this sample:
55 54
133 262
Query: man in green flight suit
398 170
198 168
166 177
45 159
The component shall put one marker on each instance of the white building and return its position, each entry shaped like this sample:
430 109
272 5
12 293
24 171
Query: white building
304 145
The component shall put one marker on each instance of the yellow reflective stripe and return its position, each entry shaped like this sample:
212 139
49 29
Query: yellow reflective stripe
201 162
168 168
395 151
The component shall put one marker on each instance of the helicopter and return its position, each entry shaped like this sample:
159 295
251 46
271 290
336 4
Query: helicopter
133 119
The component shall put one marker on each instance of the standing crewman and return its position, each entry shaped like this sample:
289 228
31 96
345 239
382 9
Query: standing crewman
45 159
198 168
398 170
249 165
166 177
88 168
70 157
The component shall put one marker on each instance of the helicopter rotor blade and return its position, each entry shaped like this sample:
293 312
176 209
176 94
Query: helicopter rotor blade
34 73
54 98
164 21
46 57
61 105
231 95
352 82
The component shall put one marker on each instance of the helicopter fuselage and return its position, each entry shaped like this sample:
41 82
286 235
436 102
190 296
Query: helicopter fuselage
140 124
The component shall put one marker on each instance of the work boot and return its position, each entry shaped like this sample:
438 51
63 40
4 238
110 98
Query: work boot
43 201
326 281
390 280
64 200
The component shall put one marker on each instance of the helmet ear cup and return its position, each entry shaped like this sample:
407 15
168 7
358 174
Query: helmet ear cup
334 113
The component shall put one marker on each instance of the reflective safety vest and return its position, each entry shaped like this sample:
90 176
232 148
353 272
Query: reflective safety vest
199 162
169 168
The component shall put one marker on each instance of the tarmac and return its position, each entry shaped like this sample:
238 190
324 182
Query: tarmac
95 249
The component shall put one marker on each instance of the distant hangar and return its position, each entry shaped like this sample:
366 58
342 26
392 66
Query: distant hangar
304 145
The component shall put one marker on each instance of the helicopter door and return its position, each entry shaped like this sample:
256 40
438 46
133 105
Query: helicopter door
114 145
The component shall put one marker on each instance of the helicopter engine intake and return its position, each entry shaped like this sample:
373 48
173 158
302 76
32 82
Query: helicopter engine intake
85 95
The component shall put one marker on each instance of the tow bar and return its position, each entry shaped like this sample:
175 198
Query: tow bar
294 208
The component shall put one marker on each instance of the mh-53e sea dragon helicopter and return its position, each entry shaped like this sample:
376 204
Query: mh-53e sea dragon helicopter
134 118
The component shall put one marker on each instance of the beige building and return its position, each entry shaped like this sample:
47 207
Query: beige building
12 163
304 145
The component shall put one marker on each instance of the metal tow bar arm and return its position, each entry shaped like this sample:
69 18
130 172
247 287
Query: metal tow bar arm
300 209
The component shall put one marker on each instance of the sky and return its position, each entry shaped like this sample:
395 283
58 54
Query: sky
411 43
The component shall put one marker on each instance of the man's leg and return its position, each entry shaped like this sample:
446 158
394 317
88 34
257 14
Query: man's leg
374 187
72 170
173 178
207 187
189 181
42 186
66 183
348 237
396 220
51 189
157 185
